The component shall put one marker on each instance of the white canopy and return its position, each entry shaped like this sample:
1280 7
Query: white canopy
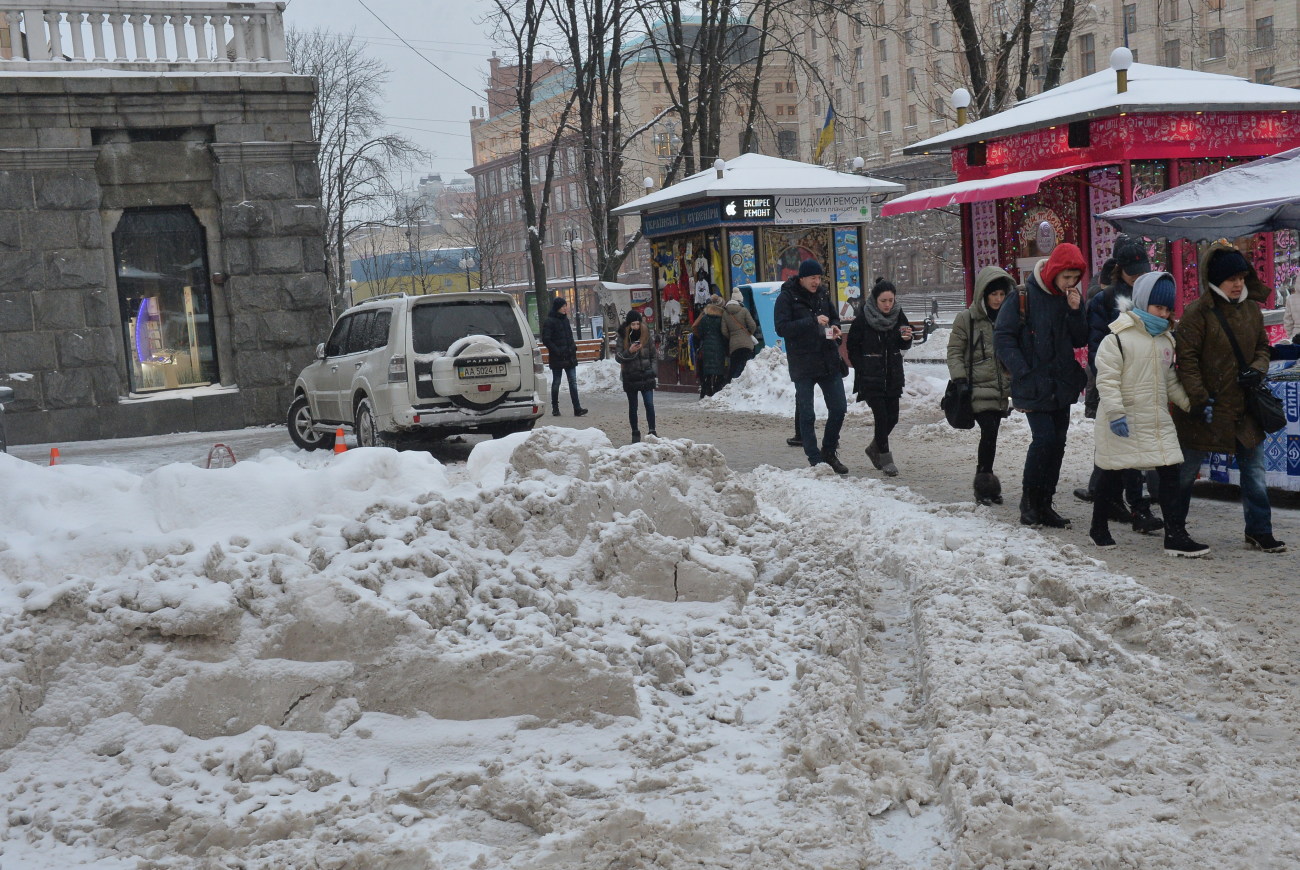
758 175
1260 196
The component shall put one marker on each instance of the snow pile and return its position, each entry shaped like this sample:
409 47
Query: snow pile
600 376
571 655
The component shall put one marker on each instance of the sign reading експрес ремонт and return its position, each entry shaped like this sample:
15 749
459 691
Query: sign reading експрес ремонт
823 208
747 208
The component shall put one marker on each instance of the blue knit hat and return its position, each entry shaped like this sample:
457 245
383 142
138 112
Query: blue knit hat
1154 288
810 267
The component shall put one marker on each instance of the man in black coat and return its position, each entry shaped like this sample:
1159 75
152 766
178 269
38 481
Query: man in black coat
806 319
561 355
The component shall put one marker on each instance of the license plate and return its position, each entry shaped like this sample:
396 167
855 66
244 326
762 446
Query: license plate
495 371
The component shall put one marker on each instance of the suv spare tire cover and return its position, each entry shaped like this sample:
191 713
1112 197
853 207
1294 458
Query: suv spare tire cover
485 347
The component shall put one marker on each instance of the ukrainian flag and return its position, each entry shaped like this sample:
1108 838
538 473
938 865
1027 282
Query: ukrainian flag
828 133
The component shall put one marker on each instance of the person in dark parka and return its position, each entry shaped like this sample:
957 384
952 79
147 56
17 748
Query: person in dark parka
806 319
879 335
713 336
561 355
1038 350
636 360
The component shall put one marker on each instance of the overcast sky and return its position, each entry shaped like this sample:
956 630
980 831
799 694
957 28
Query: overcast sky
430 107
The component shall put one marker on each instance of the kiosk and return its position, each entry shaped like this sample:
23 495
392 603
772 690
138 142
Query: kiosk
750 219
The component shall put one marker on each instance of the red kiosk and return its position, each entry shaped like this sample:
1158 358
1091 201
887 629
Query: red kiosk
1066 155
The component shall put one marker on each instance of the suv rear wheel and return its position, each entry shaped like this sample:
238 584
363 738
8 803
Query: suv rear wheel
301 430
368 433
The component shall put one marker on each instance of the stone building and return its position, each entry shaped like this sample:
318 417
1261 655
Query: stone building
161 260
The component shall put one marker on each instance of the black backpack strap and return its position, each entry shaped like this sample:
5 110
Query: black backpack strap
1232 339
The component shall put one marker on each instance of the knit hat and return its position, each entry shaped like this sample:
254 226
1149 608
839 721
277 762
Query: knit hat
715 299
737 296
810 267
882 286
1130 256
1154 288
1224 264
1064 256
633 316
557 303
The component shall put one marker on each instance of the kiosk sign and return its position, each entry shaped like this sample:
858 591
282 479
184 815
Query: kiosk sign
748 208
823 208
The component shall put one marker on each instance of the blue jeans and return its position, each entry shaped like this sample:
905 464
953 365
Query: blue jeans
832 387
1254 492
572 374
647 396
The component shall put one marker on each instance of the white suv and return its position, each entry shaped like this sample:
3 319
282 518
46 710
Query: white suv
400 367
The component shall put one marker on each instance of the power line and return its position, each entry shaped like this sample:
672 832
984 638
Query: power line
416 50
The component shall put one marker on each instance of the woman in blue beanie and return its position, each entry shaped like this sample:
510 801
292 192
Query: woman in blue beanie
1136 381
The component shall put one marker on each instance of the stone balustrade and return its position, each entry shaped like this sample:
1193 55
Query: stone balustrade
167 36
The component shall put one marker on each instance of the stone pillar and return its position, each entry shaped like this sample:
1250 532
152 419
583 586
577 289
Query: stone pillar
274 257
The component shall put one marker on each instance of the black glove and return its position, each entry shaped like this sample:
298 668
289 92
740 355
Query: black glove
1248 379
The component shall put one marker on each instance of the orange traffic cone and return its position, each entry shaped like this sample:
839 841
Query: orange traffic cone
54 456
340 443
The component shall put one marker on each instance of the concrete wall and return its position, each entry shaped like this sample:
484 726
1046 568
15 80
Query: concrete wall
71 161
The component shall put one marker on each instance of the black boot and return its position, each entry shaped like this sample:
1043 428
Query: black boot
555 410
988 489
1118 512
829 457
636 436
1179 543
578 412
1144 521
1100 535
1047 515
1029 508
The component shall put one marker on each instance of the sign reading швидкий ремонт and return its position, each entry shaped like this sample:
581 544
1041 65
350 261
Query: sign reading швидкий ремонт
823 208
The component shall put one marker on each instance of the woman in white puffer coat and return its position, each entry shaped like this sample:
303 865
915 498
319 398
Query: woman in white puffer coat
1136 382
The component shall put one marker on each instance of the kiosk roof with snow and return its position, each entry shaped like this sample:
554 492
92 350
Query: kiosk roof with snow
1119 135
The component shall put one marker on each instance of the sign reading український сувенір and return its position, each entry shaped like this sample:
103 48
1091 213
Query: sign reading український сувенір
823 208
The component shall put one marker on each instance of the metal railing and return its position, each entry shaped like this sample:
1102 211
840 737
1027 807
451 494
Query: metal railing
173 36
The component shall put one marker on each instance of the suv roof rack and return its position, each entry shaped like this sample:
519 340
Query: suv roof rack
398 295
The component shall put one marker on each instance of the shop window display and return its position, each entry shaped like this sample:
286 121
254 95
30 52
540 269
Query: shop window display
165 299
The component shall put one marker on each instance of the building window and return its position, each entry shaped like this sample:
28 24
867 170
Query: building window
787 143
1264 75
1038 66
780 110
887 122
936 34
884 86
1218 45
166 303
862 93
1130 18
1173 53
882 50
911 78
1171 10
940 108
839 97
857 58
911 116
1264 32
657 87
1087 54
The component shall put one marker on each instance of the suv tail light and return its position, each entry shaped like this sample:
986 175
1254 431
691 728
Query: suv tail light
538 368
397 370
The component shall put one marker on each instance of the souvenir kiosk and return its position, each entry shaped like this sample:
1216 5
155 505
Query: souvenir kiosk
750 219
1047 167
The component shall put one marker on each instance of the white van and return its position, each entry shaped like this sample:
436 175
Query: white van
398 368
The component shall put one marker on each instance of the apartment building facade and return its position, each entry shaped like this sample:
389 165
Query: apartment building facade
890 82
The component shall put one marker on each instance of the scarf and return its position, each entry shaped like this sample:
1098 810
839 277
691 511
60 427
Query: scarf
877 319
1224 296
1155 325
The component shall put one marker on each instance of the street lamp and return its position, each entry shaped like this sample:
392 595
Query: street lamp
467 263
570 244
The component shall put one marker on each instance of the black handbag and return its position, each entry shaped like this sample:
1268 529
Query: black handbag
956 401
1261 404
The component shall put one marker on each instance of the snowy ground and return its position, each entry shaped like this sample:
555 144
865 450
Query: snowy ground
564 651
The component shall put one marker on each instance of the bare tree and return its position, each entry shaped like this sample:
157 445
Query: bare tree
356 157
998 43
